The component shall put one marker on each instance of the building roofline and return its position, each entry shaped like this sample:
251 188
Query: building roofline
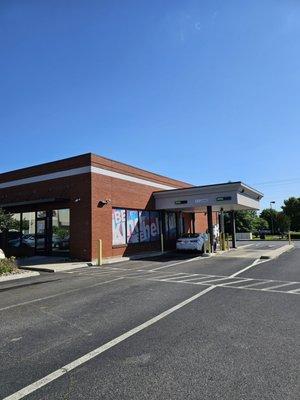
209 186
90 155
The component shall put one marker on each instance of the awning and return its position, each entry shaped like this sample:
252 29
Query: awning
223 196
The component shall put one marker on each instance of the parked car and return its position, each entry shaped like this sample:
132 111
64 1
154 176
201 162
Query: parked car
192 242
2 255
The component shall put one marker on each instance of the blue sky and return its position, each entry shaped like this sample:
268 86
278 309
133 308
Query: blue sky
202 91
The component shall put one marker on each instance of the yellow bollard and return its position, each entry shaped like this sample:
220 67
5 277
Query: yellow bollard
223 242
99 252
208 244
162 242
227 240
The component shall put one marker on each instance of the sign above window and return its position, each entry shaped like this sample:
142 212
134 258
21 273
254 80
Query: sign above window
224 198
180 201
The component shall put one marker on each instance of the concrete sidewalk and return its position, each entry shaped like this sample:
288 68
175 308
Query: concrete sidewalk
57 267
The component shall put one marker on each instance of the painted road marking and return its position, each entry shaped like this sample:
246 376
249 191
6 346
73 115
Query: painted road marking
96 352
58 294
280 286
296 291
180 262
256 262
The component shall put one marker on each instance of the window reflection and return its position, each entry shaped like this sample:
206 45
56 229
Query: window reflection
14 232
28 229
61 230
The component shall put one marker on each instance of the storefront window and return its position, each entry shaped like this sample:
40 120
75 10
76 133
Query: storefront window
28 229
61 230
14 233
132 226
118 226
172 225
144 226
154 225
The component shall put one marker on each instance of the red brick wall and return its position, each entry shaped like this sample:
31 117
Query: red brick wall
88 221
122 194
68 188
47 168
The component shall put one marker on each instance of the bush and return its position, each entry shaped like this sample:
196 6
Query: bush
7 266
295 235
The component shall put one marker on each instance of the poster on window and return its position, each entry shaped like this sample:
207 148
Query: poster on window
154 225
172 225
118 227
144 226
133 235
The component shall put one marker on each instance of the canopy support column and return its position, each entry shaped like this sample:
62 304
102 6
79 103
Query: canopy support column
233 232
210 227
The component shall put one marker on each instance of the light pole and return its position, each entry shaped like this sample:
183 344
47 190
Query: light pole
272 222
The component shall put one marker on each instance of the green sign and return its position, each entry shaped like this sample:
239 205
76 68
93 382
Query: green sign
223 198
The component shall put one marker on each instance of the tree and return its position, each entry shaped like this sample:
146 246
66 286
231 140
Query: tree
270 216
291 209
6 220
283 222
244 221
260 224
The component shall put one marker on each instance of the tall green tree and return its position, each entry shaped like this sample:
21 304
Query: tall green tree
291 209
270 216
246 221
283 223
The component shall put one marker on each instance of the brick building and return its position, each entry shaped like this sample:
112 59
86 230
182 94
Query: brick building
64 207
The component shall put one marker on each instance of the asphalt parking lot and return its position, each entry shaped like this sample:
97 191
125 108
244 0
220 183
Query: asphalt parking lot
172 327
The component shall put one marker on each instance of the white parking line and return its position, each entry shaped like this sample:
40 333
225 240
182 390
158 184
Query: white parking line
177 263
296 291
96 352
255 284
57 294
256 262
281 285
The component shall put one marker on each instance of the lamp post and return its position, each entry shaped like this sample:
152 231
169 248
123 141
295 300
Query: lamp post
272 222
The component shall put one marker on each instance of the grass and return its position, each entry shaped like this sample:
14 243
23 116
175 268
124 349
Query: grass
7 266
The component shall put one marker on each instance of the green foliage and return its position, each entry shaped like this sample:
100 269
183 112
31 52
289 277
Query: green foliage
277 221
295 235
60 231
260 224
6 220
246 221
291 209
270 216
7 266
283 222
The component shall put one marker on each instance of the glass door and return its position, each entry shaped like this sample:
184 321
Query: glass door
42 232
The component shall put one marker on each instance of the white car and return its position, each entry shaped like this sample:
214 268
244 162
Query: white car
192 242
2 255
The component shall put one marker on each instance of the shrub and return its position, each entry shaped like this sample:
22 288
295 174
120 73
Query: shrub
7 266
295 235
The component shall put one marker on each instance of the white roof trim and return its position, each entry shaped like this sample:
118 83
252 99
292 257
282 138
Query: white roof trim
129 178
83 170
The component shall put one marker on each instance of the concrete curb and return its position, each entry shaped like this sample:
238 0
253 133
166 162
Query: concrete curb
18 276
55 267
271 254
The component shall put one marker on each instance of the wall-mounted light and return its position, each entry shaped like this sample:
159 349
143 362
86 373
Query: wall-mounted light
77 200
103 203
